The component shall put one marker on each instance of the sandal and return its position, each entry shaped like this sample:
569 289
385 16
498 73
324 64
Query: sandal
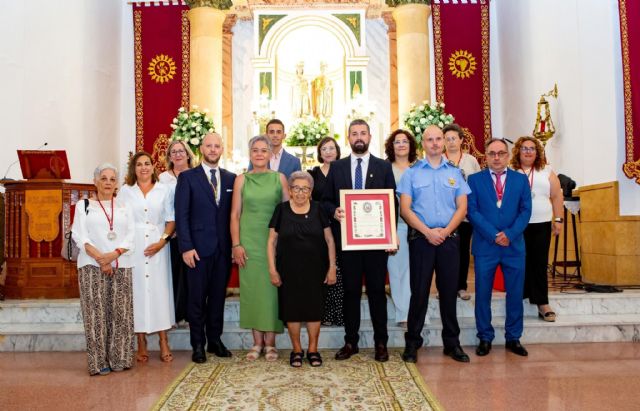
549 316
254 353
165 351
314 358
295 359
271 353
142 354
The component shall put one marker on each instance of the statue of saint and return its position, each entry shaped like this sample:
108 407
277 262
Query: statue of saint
300 104
322 94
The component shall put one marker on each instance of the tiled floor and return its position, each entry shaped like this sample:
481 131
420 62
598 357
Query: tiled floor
553 377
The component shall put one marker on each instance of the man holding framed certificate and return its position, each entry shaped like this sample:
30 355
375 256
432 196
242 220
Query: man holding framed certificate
366 185
433 202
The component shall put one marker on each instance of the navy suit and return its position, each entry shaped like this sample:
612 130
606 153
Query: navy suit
203 225
288 164
353 264
488 220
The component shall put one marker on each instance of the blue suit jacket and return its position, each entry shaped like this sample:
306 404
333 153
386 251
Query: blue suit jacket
200 223
488 220
288 164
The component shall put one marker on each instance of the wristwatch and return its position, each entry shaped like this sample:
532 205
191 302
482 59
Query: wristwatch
164 237
558 220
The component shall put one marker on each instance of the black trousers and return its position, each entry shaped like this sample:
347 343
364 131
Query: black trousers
373 265
465 230
207 291
179 274
537 239
423 259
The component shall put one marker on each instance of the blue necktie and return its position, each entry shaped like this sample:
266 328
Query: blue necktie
214 184
358 185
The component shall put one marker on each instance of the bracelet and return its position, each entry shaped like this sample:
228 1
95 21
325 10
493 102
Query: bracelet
117 250
236 245
558 220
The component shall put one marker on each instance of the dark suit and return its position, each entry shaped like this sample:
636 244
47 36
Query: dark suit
203 225
488 220
353 264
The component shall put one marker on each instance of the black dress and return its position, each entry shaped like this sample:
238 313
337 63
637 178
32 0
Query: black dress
333 313
302 259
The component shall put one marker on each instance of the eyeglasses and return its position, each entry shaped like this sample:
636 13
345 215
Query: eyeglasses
327 149
176 152
400 142
450 139
298 189
497 154
524 149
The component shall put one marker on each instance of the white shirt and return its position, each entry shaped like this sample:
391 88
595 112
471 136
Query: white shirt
167 177
274 161
207 172
92 227
364 165
541 209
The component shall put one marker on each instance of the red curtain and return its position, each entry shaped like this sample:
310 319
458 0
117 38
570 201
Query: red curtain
161 48
461 44
630 42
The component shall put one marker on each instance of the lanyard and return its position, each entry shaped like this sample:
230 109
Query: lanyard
110 220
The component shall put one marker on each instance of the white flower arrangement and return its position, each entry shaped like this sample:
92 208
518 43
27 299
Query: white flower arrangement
419 117
191 127
308 132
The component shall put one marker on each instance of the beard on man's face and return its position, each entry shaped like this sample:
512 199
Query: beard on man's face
359 147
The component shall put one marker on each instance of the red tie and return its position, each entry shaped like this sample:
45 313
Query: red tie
499 185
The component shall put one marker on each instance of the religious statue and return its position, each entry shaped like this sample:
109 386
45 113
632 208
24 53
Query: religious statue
300 105
322 94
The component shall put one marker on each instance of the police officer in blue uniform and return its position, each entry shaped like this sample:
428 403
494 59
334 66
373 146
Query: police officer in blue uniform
433 202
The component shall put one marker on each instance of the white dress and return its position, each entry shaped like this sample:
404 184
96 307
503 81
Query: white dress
153 308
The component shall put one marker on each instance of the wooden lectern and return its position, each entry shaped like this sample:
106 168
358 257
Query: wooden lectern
38 211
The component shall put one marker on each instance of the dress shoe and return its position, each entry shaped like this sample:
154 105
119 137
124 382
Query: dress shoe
410 354
346 351
483 348
198 355
457 354
515 347
218 348
381 354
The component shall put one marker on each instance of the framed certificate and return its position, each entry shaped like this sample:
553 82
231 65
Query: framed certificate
370 220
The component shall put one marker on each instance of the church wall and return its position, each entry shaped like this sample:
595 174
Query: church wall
576 44
242 72
59 76
378 81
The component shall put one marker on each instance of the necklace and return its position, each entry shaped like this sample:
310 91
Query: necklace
112 234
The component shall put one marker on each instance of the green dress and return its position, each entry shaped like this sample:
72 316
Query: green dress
261 192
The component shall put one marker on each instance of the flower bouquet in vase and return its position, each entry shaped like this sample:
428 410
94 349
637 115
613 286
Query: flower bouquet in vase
419 117
306 134
191 127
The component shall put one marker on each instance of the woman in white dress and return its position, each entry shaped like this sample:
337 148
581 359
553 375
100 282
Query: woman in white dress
179 158
152 205
454 136
401 150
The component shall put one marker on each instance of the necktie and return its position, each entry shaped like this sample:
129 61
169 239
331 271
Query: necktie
358 181
499 185
214 184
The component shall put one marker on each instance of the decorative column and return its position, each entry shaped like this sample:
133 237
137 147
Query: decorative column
205 86
412 43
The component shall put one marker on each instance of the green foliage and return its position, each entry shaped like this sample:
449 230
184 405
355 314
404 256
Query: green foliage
419 117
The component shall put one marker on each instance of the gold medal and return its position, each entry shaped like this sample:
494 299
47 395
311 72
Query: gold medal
499 203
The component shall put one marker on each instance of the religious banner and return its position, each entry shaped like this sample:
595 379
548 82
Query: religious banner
461 45
161 47
630 42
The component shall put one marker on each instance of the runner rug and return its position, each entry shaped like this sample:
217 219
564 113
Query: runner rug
359 383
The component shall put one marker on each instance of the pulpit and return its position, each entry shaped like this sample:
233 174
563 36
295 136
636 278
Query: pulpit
37 214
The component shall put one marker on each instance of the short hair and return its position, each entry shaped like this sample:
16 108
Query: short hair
102 167
358 122
321 144
413 145
454 127
540 161
187 149
274 121
131 178
262 138
300 175
493 140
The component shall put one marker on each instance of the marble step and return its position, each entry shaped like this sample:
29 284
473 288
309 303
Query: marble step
68 311
567 329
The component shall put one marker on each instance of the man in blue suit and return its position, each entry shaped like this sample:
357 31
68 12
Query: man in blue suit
499 209
280 159
202 210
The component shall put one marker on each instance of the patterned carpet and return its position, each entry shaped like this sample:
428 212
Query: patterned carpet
359 383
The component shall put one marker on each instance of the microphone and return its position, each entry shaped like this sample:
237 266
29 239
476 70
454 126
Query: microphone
4 177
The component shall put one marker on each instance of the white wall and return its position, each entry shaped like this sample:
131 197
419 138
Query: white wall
575 43
59 81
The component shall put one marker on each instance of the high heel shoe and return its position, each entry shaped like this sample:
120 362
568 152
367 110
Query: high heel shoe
165 351
142 354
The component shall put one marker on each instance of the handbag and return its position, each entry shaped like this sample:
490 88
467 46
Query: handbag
70 249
